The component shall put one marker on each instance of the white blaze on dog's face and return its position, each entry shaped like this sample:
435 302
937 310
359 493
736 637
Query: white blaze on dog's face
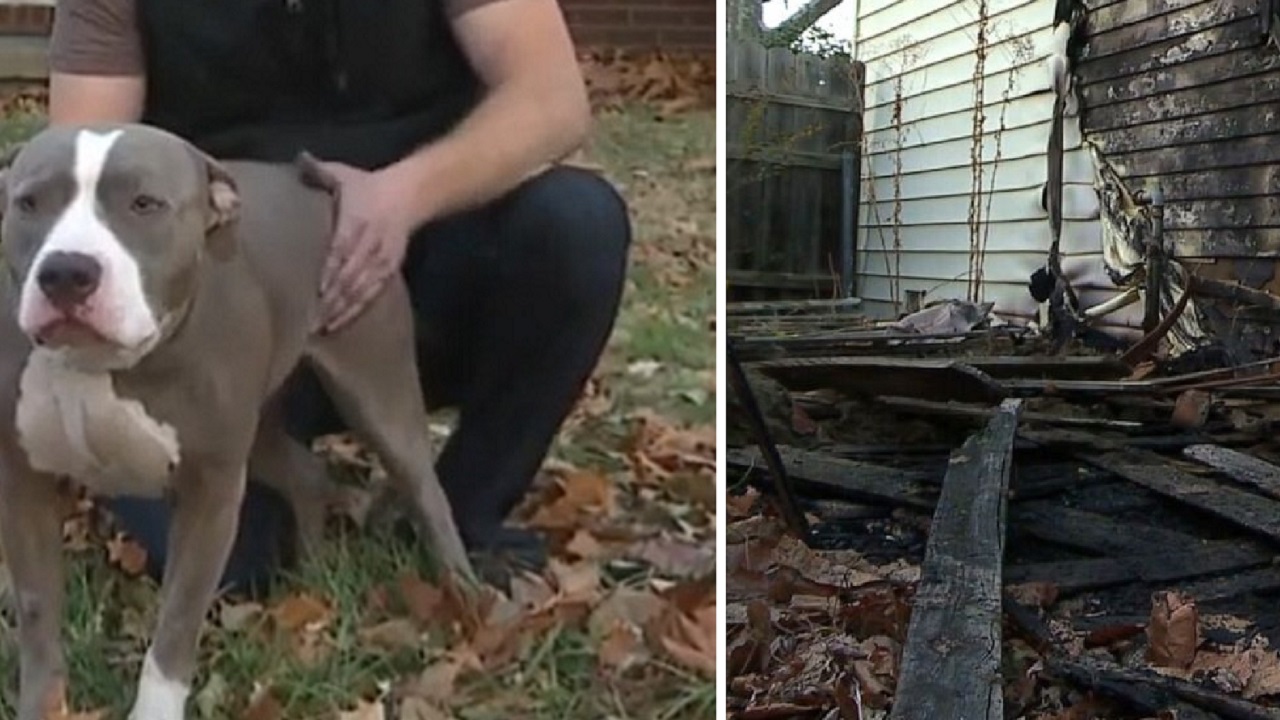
104 229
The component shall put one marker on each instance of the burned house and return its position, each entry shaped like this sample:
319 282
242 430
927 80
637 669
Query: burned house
1168 145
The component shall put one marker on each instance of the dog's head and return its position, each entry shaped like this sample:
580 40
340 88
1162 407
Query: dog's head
103 232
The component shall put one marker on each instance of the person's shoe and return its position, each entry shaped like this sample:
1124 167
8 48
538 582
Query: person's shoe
507 552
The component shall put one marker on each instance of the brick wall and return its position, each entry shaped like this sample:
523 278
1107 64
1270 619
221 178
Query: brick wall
676 25
632 24
25 19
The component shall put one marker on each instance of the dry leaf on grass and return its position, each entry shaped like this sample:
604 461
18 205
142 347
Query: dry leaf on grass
263 705
675 557
302 622
392 635
421 599
579 494
1174 630
658 450
364 710
126 554
686 628
622 647
585 546
419 709
436 684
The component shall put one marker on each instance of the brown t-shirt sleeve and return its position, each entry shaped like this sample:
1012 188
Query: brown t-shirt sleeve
454 8
96 37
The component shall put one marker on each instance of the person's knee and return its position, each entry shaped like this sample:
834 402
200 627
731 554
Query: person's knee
575 219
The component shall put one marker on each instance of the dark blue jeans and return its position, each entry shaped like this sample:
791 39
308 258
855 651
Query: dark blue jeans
514 303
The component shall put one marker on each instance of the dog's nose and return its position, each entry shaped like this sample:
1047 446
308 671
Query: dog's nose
68 278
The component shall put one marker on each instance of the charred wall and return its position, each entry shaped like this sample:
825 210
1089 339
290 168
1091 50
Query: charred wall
1186 94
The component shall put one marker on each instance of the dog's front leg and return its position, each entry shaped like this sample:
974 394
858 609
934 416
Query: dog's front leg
206 512
31 533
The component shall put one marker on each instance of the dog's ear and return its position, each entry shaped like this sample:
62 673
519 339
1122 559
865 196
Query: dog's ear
6 160
224 196
222 207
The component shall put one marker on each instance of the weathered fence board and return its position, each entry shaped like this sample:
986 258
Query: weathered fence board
789 118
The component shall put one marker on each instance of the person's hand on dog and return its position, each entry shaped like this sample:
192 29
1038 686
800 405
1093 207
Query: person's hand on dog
370 237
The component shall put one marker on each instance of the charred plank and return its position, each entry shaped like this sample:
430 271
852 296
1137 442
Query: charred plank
951 659
1238 466
1093 532
906 377
848 478
1152 693
1076 575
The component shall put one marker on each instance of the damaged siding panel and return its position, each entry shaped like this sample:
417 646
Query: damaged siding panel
905 29
1025 173
916 230
1184 94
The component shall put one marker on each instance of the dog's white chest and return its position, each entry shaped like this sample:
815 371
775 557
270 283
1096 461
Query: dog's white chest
73 423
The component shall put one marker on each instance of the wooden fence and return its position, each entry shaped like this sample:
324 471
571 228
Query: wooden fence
789 118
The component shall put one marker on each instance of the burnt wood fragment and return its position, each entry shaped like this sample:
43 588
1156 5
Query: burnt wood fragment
951 658
1238 466
848 478
1152 693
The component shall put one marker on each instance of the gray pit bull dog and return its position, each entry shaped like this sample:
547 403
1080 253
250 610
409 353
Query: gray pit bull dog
155 302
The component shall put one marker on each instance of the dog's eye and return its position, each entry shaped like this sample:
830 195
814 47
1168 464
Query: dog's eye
25 203
146 204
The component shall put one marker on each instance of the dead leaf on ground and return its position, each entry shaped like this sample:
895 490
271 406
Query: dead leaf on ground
302 621
658 449
421 599
585 545
263 705
675 557
579 494
392 635
686 629
436 684
741 506
364 710
126 554
1174 630
413 708
622 647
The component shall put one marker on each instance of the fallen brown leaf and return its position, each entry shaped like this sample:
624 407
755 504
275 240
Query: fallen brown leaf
413 708
1174 630
675 557
263 705
621 648
686 629
392 635
364 710
126 554
579 493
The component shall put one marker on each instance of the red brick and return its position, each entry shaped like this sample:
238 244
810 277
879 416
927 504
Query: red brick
687 39
588 15
672 17
25 19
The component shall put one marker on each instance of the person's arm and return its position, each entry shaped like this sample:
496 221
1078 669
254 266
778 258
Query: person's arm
96 69
534 111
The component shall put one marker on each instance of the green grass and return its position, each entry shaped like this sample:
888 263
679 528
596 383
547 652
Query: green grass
661 359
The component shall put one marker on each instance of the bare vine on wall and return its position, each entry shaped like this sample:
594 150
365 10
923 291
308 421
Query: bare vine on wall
1023 50
976 151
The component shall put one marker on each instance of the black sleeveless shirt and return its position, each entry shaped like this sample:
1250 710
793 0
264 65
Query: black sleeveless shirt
358 81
